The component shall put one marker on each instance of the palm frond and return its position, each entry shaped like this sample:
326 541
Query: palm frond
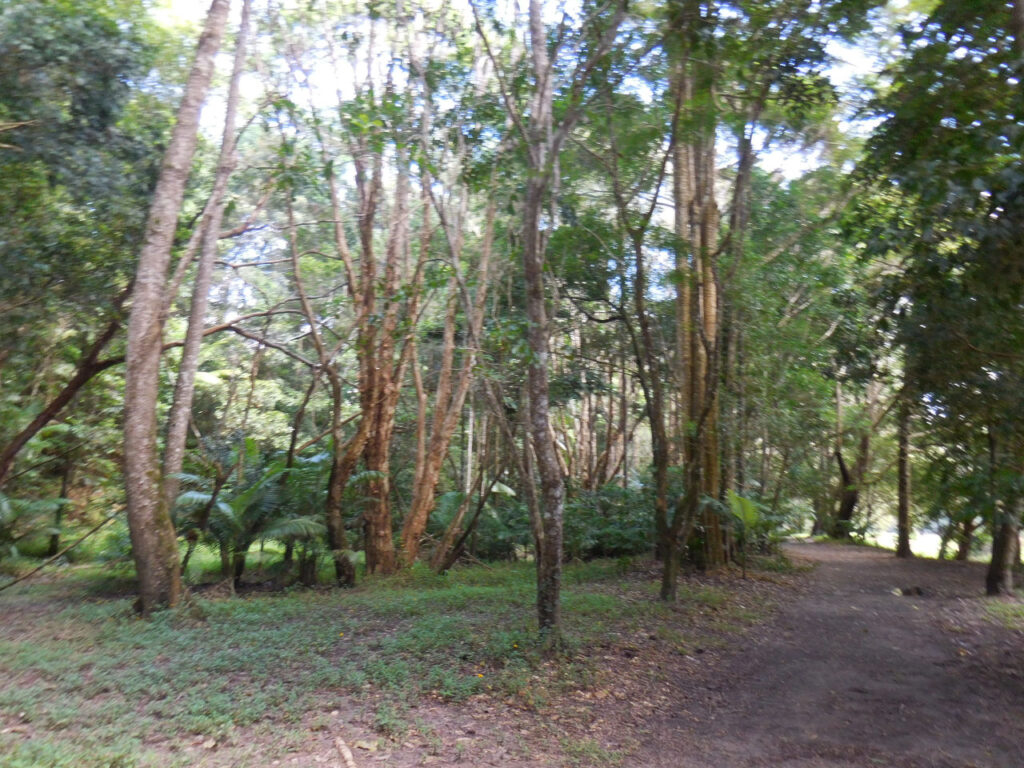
295 528
189 501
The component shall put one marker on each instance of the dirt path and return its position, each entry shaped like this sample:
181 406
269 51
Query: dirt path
850 674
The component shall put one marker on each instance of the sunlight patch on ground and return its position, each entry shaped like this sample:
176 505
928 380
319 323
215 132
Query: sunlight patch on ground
924 544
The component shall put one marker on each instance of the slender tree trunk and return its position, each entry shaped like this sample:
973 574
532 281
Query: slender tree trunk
344 456
624 401
184 389
450 396
552 488
647 355
66 477
543 157
742 421
780 482
715 553
903 472
947 534
543 139
154 543
225 561
439 560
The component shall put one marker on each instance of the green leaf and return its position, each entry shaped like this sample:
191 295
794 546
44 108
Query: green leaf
744 510
503 489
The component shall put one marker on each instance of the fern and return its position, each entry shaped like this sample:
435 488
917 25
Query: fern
295 529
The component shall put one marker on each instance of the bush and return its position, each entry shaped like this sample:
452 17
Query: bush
609 522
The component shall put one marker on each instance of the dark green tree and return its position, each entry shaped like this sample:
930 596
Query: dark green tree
947 184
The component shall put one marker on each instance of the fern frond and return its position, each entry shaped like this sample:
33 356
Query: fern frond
295 528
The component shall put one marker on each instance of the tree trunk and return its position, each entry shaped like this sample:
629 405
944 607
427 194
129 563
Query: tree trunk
383 384
379 540
543 157
999 578
544 138
1018 25
552 488
903 471
449 397
154 543
650 375
344 456
697 299
1005 528
184 388
238 565
848 495
66 477
965 540
225 560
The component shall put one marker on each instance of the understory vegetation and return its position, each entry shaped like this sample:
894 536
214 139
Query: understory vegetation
86 683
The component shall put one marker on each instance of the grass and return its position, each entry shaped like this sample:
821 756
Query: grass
96 686
1009 614
588 752
777 563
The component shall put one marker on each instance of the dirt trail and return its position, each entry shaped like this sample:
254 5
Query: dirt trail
849 674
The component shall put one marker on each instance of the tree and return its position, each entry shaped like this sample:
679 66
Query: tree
944 169
154 542
543 135
76 171
210 230
749 69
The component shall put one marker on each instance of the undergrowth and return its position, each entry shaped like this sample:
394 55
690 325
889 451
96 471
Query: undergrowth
96 686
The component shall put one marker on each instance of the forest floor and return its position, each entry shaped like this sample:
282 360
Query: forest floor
876 662
850 658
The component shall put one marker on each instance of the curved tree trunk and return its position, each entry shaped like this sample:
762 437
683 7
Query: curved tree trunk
154 543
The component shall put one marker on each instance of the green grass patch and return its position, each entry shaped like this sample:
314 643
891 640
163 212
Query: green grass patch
1009 614
97 686
585 752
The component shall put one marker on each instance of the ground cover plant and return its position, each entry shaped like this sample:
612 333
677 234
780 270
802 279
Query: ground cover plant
87 683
